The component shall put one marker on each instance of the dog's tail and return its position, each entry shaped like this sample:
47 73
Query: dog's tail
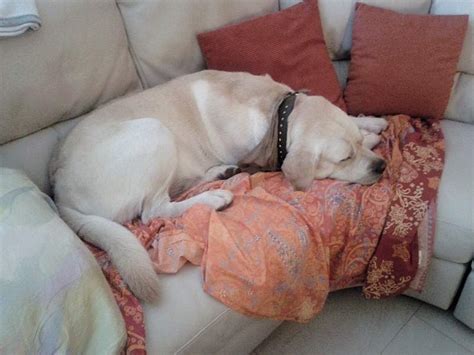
125 251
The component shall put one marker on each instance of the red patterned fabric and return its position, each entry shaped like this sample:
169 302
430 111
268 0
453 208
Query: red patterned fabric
395 263
130 307
277 253
289 45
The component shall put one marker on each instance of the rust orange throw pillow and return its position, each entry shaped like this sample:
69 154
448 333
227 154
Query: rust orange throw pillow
402 63
289 45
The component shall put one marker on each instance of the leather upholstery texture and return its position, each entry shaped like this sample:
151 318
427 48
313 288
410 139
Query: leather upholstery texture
162 33
77 60
458 7
91 51
464 310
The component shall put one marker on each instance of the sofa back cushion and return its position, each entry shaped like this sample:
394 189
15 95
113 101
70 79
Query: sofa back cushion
460 7
77 60
162 33
461 104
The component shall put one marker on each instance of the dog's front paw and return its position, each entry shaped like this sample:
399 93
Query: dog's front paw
218 199
372 124
371 140
376 124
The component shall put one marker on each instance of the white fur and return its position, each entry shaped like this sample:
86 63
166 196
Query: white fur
243 118
371 123
258 126
126 158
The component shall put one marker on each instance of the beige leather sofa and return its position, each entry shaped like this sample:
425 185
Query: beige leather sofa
89 52
464 310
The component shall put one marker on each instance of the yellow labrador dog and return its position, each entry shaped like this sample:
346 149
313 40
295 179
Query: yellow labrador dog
130 157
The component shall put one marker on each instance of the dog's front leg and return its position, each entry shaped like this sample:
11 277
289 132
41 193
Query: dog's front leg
370 139
371 123
162 206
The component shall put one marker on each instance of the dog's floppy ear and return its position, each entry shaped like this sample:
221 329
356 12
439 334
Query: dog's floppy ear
299 168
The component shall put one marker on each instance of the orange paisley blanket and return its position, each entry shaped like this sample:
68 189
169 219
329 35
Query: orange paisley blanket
277 253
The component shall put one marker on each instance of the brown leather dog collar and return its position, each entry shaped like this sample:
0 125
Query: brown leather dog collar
284 110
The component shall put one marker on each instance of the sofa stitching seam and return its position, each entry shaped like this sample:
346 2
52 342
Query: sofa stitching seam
131 49
195 336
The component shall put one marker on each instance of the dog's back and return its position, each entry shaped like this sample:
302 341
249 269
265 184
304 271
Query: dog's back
111 165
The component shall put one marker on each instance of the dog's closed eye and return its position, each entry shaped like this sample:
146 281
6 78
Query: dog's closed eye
345 159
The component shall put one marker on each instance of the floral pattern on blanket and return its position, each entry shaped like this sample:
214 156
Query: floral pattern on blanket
130 307
277 253
396 263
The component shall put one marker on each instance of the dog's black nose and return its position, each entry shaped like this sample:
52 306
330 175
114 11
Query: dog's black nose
379 166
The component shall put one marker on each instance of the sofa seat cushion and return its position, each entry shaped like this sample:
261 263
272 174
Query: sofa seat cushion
461 102
186 320
442 283
31 154
454 239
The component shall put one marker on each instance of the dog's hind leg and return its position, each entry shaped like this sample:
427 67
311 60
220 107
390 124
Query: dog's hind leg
162 206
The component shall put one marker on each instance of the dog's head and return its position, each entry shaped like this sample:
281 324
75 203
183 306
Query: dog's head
326 143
